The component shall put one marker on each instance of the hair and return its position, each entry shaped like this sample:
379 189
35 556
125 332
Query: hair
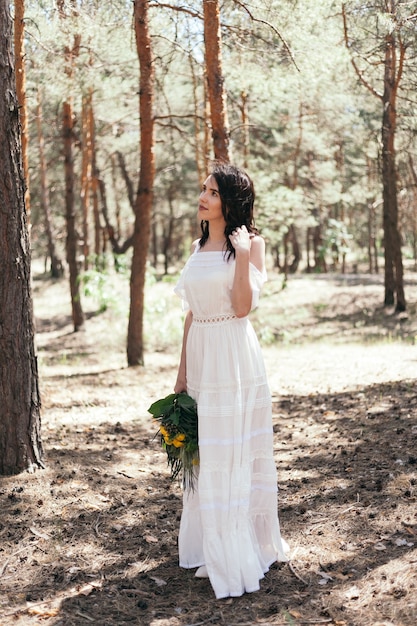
237 196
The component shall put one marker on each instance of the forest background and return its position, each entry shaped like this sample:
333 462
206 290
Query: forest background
300 120
304 87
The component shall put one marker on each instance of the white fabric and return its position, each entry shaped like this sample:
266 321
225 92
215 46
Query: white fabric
230 522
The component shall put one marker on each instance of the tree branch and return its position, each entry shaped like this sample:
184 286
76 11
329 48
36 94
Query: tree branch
117 248
126 178
178 9
359 73
272 27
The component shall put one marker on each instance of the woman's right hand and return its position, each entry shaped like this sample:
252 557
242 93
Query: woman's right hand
180 385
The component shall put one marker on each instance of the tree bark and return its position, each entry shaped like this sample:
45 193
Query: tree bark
19 47
393 278
144 198
20 421
215 80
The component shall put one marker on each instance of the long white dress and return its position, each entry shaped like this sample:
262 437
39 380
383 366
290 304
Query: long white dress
230 521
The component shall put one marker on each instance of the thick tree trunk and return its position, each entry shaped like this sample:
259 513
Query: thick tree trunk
144 199
393 258
19 47
215 80
20 422
71 244
56 264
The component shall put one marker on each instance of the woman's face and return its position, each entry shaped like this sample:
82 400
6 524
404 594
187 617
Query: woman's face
210 203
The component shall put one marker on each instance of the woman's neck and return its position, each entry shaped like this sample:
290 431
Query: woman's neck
216 234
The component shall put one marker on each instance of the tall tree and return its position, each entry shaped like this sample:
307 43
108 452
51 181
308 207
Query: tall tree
20 438
56 264
19 47
144 198
393 50
215 80
69 137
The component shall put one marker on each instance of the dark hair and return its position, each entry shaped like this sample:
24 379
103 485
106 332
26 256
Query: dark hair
238 197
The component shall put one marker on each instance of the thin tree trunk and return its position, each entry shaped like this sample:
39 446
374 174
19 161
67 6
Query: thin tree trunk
245 126
393 257
215 80
116 196
20 421
199 149
94 191
144 199
19 47
56 264
71 244
414 216
393 68
86 173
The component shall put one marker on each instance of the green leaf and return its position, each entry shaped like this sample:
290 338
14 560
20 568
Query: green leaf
159 407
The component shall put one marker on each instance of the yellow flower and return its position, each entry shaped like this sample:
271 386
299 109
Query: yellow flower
178 442
164 431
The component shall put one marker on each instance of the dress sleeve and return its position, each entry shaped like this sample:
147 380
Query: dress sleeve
257 280
179 288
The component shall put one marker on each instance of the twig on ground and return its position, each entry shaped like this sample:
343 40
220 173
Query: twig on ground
3 569
290 565
87 617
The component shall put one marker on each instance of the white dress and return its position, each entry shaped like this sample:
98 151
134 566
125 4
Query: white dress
230 521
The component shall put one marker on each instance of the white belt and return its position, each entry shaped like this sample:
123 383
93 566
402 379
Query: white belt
216 319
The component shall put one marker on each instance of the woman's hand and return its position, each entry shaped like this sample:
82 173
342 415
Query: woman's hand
241 239
180 385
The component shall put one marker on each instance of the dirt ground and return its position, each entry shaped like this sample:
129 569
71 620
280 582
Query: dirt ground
92 538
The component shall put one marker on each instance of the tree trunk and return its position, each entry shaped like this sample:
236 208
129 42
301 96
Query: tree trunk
393 68
198 140
144 198
215 81
56 264
245 126
19 49
95 186
414 216
71 244
20 422
86 173
393 257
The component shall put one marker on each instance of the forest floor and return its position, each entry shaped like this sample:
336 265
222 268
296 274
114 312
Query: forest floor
92 538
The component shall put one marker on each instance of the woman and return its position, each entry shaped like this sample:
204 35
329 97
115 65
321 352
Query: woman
229 526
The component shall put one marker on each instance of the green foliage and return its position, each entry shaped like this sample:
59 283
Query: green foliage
313 132
97 285
178 430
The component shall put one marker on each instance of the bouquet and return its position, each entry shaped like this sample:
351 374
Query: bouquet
178 430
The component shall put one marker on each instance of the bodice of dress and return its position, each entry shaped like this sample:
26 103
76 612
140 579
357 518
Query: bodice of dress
206 282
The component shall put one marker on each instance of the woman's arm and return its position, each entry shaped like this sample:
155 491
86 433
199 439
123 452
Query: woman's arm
181 383
248 250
